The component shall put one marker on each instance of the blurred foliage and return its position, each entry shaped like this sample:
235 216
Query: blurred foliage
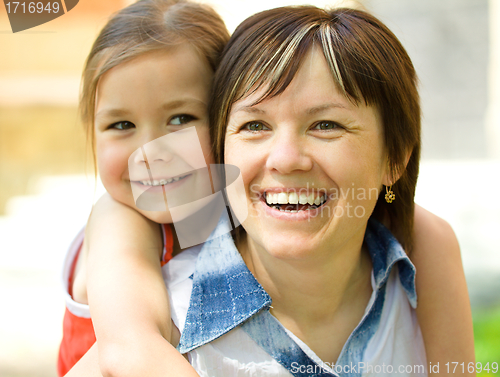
487 337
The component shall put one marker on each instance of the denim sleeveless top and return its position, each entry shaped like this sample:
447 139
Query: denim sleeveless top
227 330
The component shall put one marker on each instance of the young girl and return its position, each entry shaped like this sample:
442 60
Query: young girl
435 253
147 77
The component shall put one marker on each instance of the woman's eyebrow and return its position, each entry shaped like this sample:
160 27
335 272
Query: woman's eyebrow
248 109
327 106
310 111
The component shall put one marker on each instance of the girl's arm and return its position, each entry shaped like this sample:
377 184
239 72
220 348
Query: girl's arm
88 365
443 310
127 295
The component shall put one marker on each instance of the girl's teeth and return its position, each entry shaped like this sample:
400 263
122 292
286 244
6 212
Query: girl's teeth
162 182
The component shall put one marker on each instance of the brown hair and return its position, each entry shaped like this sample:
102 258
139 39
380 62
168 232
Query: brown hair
145 26
368 64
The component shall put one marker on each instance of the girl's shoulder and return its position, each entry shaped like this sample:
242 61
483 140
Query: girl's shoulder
109 216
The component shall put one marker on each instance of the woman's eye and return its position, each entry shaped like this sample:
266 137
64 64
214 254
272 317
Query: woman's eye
181 119
326 125
255 126
122 126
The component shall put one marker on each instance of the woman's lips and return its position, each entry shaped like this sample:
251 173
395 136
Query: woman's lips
301 198
293 204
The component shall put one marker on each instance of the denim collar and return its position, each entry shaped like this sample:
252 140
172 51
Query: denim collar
225 293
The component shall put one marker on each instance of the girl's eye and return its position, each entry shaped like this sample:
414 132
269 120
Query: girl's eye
255 126
326 125
181 119
122 126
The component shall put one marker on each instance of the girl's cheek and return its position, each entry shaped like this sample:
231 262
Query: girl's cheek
205 144
112 162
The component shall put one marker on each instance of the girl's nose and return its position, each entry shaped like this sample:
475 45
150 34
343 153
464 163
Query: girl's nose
288 154
157 150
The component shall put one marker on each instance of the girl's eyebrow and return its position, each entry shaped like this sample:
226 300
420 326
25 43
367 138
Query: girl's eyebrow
112 113
172 105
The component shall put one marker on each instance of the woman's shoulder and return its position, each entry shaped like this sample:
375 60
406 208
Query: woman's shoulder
433 237
443 302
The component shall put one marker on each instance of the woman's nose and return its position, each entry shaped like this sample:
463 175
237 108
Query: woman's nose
288 154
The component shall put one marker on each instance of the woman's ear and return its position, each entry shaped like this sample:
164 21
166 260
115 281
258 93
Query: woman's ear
394 172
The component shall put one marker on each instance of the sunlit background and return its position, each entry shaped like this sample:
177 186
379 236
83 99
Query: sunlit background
47 182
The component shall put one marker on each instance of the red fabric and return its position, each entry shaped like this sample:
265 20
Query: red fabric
78 337
78 332
169 244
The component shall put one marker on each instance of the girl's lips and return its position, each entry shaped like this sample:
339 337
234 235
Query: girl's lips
158 187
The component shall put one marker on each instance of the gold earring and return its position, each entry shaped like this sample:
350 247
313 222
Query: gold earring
389 194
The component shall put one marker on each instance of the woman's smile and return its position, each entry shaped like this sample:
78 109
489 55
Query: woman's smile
293 204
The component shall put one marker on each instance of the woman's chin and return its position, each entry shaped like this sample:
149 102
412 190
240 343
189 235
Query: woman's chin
288 245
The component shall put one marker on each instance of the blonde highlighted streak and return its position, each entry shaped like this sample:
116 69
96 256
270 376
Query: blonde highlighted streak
325 33
271 71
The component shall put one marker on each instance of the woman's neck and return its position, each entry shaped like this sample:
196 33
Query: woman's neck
315 298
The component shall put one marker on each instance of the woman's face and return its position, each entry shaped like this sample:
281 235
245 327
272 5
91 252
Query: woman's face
312 162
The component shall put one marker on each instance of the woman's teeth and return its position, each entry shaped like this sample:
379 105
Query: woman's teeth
162 182
275 200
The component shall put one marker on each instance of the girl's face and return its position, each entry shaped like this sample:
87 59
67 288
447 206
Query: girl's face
150 113
313 164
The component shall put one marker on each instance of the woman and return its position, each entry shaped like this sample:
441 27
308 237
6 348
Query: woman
320 111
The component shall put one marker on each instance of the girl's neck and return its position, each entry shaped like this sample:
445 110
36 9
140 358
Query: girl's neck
196 228
177 247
